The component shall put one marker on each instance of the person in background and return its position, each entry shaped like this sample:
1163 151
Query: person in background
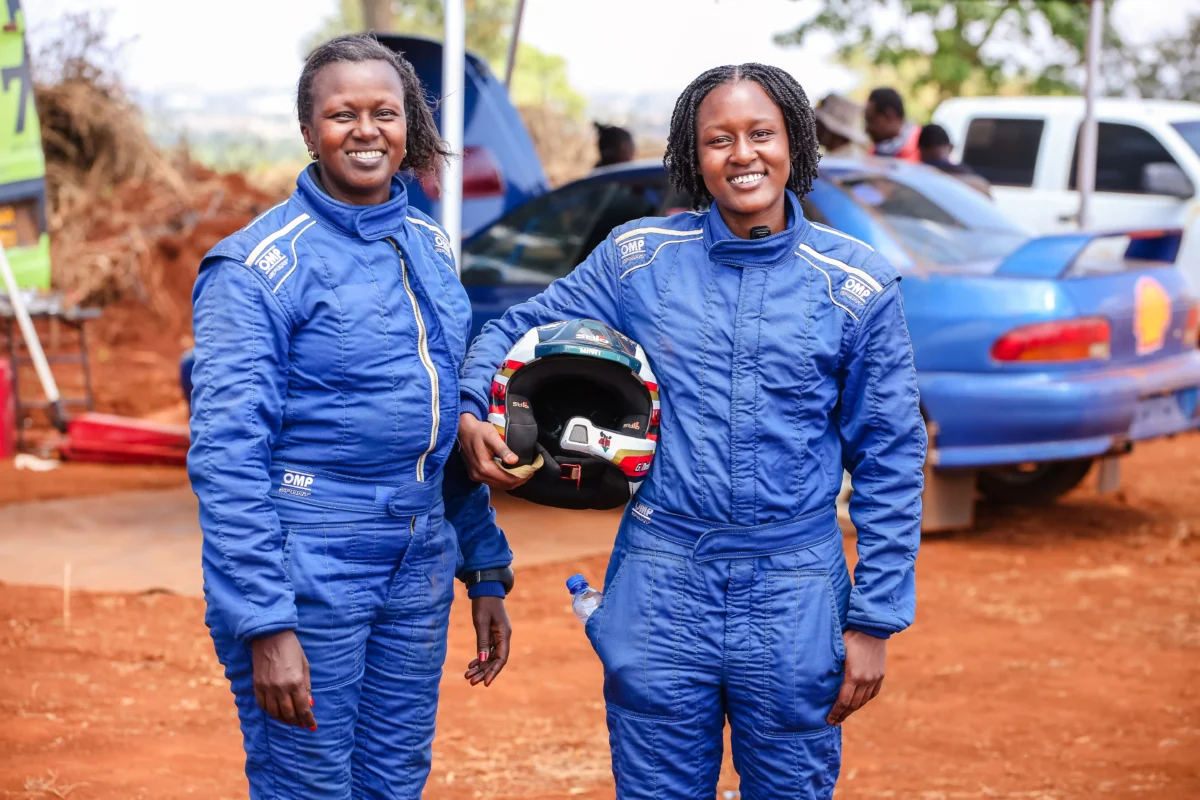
615 145
935 149
893 136
838 129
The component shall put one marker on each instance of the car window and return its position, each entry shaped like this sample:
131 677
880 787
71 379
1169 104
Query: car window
628 200
1190 131
1005 151
544 237
950 224
1122 152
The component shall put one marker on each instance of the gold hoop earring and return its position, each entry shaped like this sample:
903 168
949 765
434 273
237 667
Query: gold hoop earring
312 155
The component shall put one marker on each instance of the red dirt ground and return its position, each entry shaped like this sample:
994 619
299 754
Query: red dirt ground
1056 655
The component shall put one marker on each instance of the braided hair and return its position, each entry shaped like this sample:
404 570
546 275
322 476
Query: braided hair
427 151
682 158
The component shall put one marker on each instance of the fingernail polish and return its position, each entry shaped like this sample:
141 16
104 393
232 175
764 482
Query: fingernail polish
313 728
482 656
312 702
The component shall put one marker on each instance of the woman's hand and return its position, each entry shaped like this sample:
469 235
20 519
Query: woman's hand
481 444
492 634
866 661
281 681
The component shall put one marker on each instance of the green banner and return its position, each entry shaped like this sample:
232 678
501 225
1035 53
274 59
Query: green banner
22 162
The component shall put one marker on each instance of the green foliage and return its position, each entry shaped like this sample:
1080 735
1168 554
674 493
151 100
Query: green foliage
539 79
1168 69
974 47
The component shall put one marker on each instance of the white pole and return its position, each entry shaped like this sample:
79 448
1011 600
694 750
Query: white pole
32 342
453 77
513 41
1088 132
67 596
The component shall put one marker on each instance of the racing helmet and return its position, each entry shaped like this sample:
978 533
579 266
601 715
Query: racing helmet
578 401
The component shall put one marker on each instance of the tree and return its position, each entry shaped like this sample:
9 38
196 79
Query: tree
538 79
377 15
965 47
1168 69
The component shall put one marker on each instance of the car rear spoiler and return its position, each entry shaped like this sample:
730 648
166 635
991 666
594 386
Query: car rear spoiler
1057 256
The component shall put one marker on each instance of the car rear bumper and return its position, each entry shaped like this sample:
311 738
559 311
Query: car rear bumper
1009 418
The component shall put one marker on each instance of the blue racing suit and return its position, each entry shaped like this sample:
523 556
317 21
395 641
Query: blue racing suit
780 360
324 413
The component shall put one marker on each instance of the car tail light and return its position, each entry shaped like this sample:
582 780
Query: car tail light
481 174
481 177
1068 340
1191 328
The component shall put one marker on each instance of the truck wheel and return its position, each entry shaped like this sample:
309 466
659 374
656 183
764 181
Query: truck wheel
1039 484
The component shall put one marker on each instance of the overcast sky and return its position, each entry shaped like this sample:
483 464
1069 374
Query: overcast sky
622 46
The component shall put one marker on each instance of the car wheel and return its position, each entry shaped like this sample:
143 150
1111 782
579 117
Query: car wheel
1035 484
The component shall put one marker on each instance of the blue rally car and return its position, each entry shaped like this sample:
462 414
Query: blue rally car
1035 356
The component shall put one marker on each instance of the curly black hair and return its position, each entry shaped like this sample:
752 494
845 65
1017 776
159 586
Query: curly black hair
427 151
682 158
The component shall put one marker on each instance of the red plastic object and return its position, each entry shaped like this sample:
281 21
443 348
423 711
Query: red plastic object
109 439
8 419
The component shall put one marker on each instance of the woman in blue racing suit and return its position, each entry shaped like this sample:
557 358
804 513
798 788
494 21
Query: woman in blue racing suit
335 510
782 356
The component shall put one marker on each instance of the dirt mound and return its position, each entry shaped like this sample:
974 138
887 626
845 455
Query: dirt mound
128 223
137 252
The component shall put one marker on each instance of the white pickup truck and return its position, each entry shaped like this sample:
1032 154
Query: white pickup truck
1148 163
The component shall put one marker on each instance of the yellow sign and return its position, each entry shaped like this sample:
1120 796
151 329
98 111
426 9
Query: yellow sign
1151 316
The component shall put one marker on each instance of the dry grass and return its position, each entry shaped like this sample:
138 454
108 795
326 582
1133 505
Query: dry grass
48 786
112 195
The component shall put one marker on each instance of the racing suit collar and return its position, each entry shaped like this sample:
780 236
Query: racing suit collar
366 222
726 248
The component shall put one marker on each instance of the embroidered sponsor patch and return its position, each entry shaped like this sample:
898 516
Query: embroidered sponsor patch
295 483
856 290
272 262
632 249
642 512
442 245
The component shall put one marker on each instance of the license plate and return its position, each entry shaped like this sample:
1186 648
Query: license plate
1160 416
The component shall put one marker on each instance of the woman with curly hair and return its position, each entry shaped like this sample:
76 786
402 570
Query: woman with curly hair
335 510
782 357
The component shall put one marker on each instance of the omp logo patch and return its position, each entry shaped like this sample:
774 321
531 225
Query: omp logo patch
295 483
642 512
856 290
272 261
632 249
442 245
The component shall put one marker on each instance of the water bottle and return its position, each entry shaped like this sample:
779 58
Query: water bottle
585 600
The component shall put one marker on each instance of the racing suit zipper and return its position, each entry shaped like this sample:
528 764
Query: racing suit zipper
426 361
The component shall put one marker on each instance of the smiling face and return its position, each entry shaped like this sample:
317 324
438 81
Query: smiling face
744 155
358 129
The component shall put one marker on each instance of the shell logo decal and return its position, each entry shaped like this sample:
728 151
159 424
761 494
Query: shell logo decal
1151 315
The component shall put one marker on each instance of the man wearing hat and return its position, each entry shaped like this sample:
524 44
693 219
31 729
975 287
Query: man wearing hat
838 130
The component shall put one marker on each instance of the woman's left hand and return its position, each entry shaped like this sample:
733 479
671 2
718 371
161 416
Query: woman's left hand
492 635
866 662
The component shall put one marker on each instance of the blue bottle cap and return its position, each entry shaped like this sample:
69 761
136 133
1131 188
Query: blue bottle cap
576 584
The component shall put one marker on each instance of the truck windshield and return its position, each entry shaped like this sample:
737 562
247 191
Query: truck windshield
1190 131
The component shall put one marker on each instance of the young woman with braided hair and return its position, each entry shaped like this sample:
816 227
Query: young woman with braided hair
782 357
